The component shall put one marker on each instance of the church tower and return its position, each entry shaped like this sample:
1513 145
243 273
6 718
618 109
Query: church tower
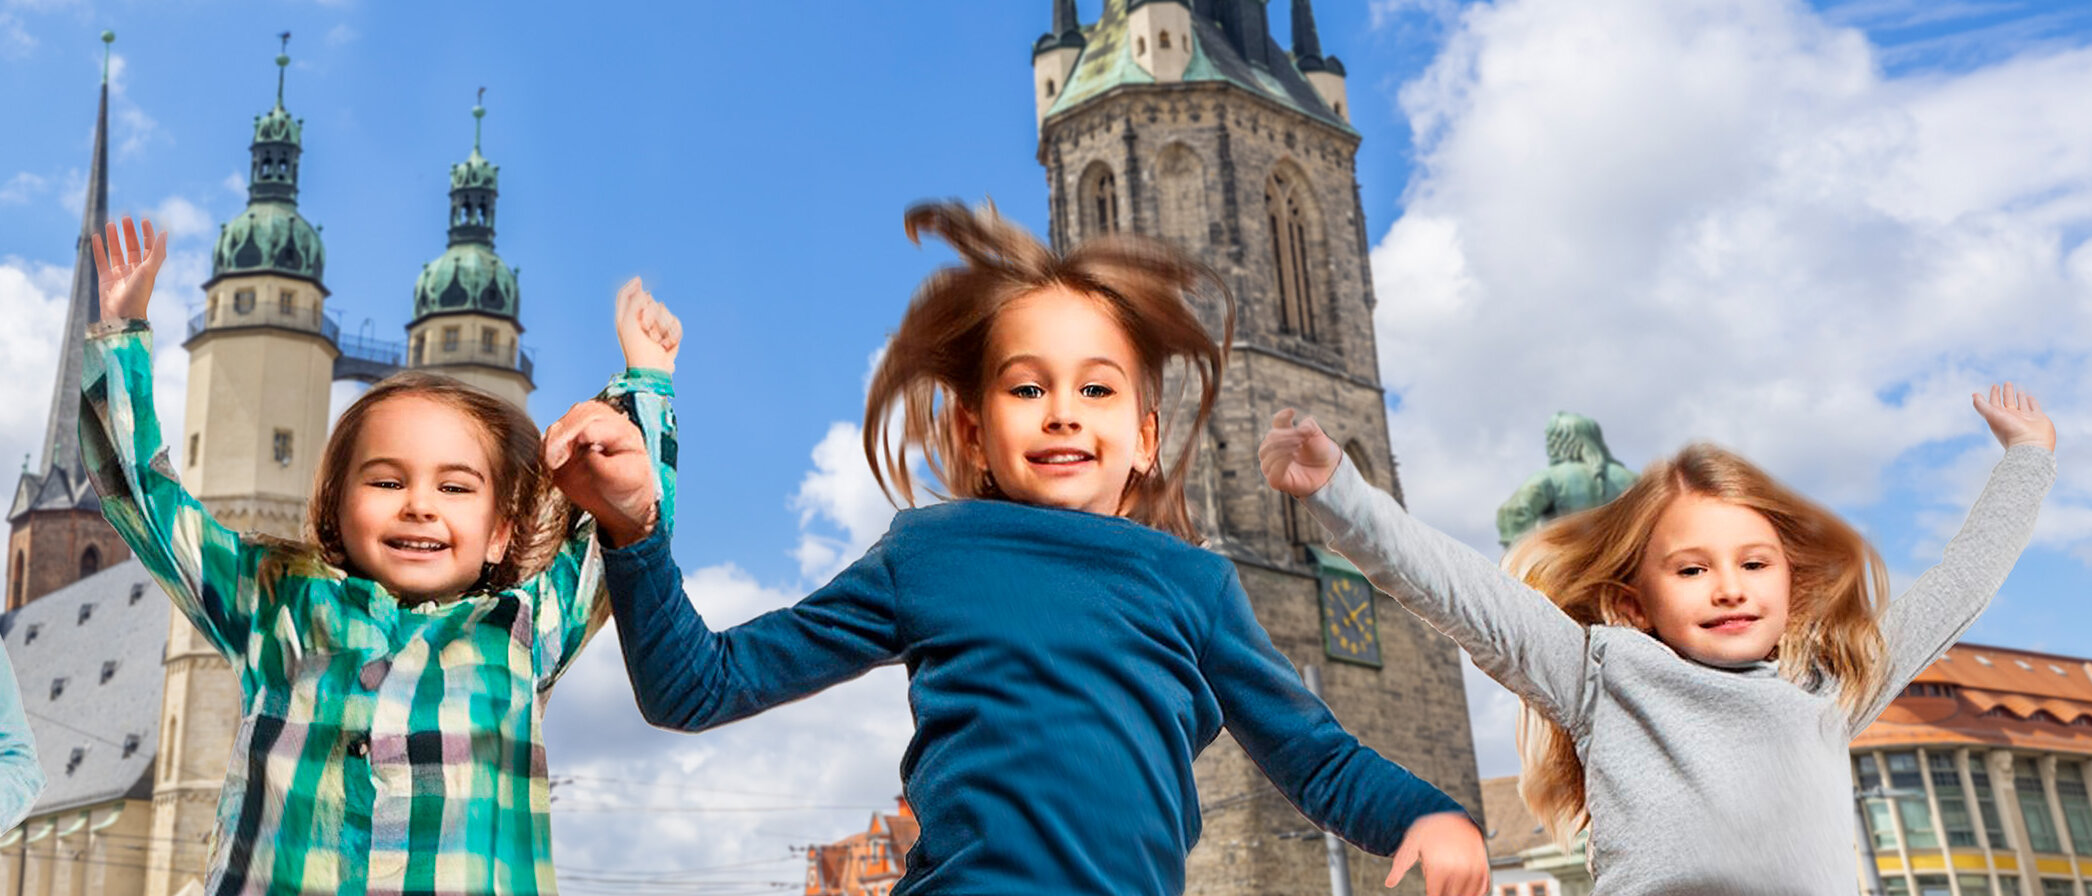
57 535
1186 120
261 368
465 302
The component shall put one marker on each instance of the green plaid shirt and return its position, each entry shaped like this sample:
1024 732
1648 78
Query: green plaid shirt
384 749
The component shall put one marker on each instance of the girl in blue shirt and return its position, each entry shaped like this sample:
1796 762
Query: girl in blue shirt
1070 649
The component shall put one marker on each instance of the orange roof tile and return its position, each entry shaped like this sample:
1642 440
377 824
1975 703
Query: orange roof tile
1992 695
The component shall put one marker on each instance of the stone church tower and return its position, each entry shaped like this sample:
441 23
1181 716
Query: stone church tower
465 301
261 367
1185 120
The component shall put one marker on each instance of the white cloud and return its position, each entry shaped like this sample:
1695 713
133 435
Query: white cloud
1717 219
133 131
839 493
20 188
340 35
33 302
182 220
236 184
15 41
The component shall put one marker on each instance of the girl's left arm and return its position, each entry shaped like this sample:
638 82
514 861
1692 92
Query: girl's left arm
1290 733
1919 626
571 598
21 777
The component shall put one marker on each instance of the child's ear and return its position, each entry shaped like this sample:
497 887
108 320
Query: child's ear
1147 444
497 546
1625 605
966 423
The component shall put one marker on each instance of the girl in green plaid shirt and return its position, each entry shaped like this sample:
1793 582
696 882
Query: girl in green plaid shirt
393 669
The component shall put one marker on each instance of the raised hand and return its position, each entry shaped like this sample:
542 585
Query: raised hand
1450 848
126 274
2015 417
1297 458
648 333
599 460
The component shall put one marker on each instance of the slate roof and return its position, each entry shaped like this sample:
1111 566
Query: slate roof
88 659
1107 62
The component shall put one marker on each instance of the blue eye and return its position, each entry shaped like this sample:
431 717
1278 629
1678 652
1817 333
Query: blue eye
1755 565
1096 390
452 488
1691 571
1027 390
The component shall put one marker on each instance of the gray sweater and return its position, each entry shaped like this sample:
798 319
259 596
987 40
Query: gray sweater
1699 779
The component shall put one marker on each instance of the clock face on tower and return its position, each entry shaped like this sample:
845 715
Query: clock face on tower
1349 632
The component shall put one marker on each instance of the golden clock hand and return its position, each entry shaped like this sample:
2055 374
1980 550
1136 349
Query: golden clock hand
1362 605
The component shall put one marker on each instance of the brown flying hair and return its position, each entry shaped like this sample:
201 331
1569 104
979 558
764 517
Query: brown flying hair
1586 564
937 362
523 496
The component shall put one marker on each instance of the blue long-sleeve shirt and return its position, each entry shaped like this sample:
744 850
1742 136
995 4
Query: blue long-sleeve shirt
1064 670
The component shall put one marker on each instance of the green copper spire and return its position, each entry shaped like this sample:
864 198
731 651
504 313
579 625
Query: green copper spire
270 236
108 37
469 277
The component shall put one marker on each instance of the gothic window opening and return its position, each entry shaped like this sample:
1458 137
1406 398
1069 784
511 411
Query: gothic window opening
90 562
281 445
1162 41
1049 87
194 438
486 340
167 749
284 302
1287 216
450 339
1100 201
15 577
1140 46
243 301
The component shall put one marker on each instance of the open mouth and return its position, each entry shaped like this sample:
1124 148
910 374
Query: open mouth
417 545
1059 457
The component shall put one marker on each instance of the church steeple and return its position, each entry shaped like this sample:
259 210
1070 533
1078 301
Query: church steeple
469 276
1307 45
466 301
57 535
270 236
1067 30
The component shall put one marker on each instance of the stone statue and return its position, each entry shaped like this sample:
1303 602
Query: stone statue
1581 474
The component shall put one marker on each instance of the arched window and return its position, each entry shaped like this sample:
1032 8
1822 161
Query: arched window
1140 46
1162 41
14 579
90 561
1180 183
1049 87
1100 200
1287 214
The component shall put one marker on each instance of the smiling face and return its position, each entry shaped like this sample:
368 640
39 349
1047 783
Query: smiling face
1060 421
1714 582
418 510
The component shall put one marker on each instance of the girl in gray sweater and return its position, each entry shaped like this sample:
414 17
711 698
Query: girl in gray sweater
1694 657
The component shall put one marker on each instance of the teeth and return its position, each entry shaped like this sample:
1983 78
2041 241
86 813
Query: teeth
1063 457
416 544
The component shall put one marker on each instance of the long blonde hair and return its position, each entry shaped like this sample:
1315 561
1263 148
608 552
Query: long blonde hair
1586 564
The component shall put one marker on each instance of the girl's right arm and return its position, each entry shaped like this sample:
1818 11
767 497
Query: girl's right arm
205 568
1515 634
689 677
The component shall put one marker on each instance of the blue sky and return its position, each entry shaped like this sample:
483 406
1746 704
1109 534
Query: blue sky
1803 231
